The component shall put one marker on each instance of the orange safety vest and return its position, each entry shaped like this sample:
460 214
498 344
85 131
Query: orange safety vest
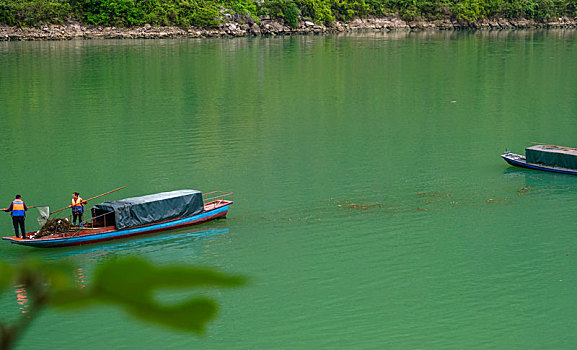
77 205
18 208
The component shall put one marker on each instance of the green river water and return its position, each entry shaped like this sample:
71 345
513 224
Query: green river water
372 209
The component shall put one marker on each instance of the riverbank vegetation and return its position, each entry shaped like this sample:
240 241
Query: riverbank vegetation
211 13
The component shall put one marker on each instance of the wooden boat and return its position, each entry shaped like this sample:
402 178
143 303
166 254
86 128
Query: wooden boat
138 216
551 158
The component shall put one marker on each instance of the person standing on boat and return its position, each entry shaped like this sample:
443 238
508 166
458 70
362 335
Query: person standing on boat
18 209
77 208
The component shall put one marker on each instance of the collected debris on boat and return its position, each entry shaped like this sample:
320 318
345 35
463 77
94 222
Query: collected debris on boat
54 227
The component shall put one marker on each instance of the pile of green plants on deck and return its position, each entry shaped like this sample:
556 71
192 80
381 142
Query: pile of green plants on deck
54 227
210 13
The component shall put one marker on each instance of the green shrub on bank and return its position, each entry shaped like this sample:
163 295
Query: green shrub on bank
469 10
129 13
210 13
345 10
112 12
318 10
33 12
244 7
285 9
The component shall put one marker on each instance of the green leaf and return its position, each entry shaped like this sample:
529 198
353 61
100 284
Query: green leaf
136 279
6 275
131 283
190 316
72 299
57 275
194 277
122 279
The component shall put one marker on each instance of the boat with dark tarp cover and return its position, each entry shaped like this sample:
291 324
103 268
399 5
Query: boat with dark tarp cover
552 158
137 216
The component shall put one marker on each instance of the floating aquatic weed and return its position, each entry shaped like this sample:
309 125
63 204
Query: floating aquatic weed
362 206
433 194
525 189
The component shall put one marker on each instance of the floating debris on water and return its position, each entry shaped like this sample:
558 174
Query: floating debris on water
433 194
525 189
362 206
497 200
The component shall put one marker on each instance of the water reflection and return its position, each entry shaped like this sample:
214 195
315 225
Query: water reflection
532 181
183 239
79 277
22 298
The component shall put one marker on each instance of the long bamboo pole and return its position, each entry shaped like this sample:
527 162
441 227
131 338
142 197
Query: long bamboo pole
89 199
34 206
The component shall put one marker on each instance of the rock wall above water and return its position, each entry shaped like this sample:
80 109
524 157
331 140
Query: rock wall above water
265 27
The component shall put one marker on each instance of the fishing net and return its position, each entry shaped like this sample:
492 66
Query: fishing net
44 213
54 226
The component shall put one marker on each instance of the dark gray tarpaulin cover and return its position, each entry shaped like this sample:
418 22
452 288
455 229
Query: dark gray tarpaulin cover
558 156
136 211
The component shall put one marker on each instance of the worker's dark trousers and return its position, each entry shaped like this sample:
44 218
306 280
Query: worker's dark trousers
77 215
18 221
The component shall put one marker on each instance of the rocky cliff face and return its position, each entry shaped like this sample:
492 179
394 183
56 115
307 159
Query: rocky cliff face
238 27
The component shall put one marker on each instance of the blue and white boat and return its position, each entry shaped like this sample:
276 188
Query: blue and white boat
550 158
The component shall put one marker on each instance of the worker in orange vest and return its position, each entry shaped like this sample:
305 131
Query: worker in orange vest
18 209
77 208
